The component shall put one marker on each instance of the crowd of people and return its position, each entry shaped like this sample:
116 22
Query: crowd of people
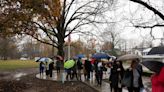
119 77
49 67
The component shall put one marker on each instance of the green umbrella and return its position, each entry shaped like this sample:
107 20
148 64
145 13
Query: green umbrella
69 64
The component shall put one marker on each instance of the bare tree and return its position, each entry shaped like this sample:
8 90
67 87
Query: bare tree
111 35
157 19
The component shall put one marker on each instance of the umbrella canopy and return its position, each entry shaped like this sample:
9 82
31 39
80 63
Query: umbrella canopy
59 57
69 64
128 57
101 56
44 59
80 56
153 65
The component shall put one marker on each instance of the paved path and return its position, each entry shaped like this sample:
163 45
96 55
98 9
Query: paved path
105 87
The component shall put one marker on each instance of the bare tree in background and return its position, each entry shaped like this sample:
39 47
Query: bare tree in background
157 19
111 35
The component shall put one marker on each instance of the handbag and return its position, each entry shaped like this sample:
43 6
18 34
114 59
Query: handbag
127 79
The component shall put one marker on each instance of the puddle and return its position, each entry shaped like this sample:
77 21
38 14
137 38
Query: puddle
18 75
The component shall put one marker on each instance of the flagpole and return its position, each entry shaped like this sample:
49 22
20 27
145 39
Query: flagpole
69 46
69 51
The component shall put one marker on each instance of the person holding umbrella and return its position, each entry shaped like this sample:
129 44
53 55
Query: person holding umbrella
51 67
74 71
88 68
41 68
58 65
135 74
68 66
158 81
79 67
157 78
116 76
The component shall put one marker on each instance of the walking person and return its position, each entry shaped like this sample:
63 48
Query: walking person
74 71
51 67
47 71
116 76
98 71
158 81
41 68
135 73
88 68
58 65
68 74
79 68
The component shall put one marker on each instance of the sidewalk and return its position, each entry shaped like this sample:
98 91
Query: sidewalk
105 87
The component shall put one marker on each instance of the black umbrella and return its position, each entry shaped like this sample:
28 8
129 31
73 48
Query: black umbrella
153 65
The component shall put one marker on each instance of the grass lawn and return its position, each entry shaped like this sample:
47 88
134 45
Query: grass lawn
17 64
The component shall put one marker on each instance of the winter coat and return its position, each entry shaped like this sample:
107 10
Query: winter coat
140 71
158 81
114 77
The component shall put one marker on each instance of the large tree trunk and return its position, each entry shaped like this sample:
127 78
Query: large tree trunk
61 50
60 46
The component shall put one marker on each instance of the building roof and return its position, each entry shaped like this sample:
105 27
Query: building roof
147 50
156 50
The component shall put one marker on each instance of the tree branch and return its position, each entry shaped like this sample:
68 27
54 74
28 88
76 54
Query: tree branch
149 7
156 25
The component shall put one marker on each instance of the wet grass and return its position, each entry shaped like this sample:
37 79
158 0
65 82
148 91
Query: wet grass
17 64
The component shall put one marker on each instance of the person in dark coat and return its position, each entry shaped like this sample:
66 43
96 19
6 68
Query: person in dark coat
74 71
79 67
98 71
51 67
88 68
116 76
41 68
58 65
136 76
68 74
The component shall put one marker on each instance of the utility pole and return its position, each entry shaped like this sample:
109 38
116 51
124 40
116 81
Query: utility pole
69 46
125 47
53 50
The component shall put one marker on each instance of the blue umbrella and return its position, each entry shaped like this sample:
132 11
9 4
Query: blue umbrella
101 56
80 56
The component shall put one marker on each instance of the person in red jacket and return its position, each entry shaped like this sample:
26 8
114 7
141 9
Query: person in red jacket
158 81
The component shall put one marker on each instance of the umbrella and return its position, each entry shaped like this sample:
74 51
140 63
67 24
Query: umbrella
44 60
80 56
69 64
128 57
59 57
101 56
153 65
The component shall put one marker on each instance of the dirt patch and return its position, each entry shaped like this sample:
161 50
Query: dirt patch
30 83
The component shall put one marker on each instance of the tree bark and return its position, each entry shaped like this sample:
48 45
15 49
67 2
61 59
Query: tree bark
60 46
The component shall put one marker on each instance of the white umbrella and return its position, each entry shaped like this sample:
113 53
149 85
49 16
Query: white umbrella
128 57
44 60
